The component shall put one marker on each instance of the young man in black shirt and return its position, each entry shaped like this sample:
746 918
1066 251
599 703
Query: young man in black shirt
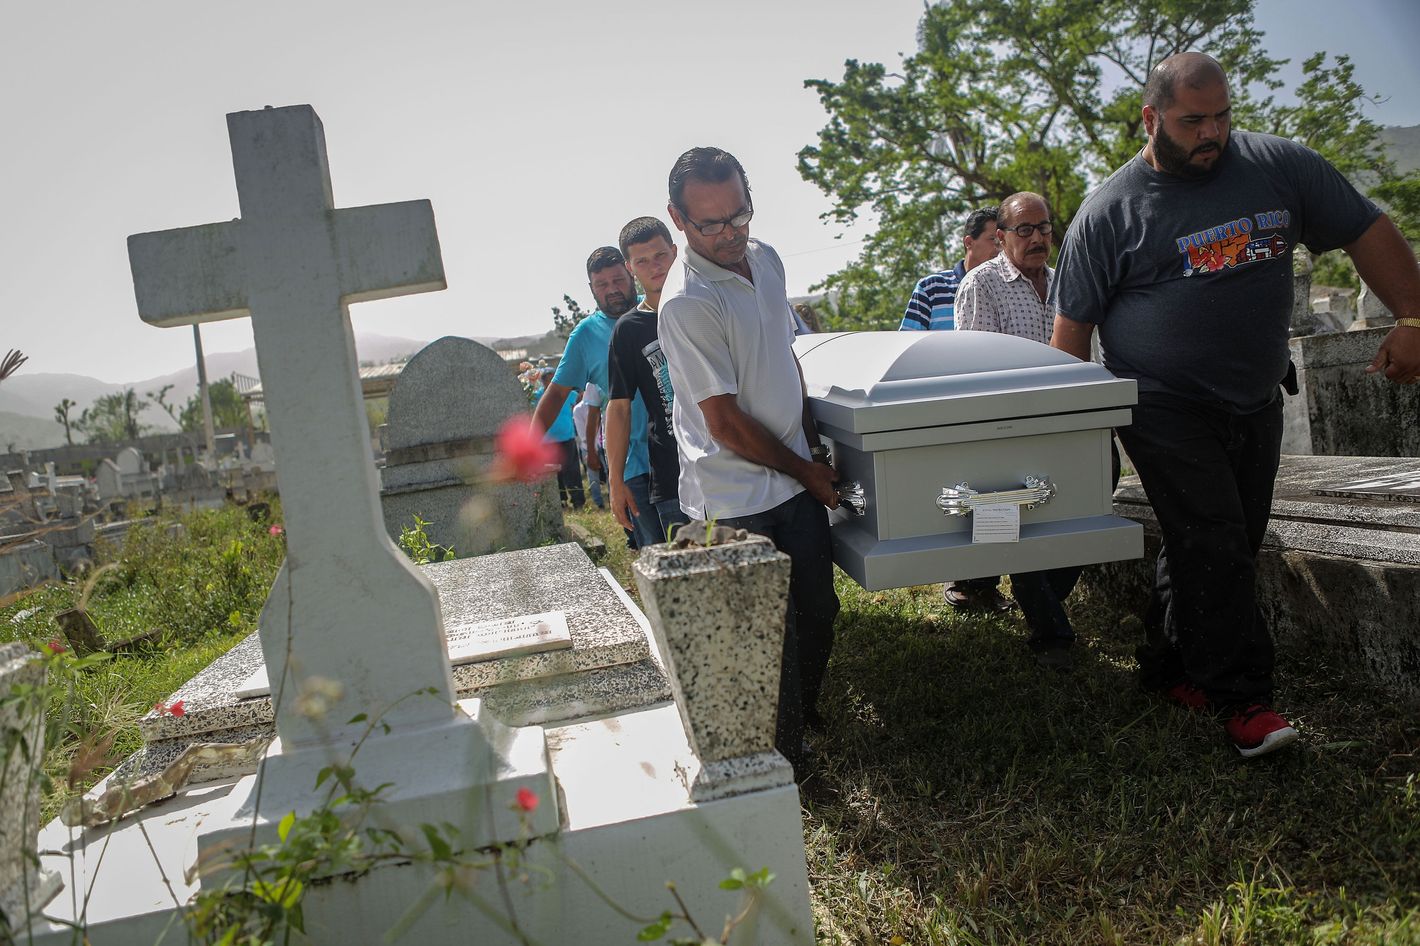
637 366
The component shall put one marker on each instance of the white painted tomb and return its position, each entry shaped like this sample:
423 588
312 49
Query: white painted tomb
351 621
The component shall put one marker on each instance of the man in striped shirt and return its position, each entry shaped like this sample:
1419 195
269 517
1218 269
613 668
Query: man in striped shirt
931 305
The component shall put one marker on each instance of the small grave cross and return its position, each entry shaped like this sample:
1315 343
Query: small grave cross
347 606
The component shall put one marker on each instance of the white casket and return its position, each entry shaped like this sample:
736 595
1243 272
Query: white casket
946 441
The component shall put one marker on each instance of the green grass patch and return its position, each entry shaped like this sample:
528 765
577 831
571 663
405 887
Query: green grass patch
199 579
966 796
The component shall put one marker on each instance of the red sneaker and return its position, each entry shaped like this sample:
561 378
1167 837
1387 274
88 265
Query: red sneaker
1257 730
1188 695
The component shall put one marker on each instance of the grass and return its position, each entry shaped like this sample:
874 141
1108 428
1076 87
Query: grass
203 592
964 796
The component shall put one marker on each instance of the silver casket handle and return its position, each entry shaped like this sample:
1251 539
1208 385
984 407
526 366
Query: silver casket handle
851 495
961 499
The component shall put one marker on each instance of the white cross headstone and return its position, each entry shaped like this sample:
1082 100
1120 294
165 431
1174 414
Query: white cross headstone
347 607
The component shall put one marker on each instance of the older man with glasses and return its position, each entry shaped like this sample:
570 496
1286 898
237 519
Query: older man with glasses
1008 295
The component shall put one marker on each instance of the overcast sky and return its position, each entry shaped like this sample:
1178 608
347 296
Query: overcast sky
537 130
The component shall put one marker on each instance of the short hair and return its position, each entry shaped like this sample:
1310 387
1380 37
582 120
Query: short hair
602 257
978 220
710 165
1196 70
1020 197
642 230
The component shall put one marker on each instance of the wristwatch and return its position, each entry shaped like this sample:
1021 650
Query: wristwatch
819 452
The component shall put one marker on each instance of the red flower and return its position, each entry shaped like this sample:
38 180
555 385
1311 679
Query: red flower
520 453
527 799
276 530
55 648
176 709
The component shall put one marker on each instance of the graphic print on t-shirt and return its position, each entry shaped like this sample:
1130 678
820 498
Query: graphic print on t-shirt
1235 243
662 373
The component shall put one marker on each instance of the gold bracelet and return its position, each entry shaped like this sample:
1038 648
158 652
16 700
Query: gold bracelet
1408 323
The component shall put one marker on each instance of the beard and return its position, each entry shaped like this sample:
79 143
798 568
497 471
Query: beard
1174 158
617 305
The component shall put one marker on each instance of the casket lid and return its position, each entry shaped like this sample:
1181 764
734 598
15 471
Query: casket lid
873 381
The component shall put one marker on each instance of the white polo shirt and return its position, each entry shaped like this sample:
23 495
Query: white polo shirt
722 334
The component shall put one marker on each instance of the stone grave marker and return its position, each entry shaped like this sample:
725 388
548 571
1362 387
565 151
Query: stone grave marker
347 614
1341 410
444 411
1339 570
129 462
24 889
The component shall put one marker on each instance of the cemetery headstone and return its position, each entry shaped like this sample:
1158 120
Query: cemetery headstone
24 888
718 612
444 412
1338 576
348 614
1370 311
1341 410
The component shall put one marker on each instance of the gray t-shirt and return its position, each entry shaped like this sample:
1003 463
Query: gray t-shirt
1190 279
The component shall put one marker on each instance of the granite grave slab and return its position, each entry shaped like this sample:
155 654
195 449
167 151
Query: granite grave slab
1339 570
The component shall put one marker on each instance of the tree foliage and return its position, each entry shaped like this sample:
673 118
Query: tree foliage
61 415
113 418
228 409
564 322
1042 95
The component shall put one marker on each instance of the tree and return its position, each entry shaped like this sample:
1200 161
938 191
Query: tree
564 324
160 398
61 414
14 358
1009 95
228 409
113 418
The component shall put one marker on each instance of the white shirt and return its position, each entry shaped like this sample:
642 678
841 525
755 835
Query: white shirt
591 397
997 297
722 334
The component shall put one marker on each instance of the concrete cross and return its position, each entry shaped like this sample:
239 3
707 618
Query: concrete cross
347 606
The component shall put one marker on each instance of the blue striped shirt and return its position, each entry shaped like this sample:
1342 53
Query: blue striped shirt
933 301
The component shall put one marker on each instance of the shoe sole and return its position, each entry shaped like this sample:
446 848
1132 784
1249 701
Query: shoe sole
1271 743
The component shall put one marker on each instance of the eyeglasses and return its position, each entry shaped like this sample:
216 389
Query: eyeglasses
1024 229
718 226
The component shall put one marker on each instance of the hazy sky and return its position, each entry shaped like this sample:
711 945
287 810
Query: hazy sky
537 130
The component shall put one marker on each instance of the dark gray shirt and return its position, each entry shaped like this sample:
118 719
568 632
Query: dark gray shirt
1190 279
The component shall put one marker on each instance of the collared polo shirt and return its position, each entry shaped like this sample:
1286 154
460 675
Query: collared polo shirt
997 297
584 361
933 299
723 334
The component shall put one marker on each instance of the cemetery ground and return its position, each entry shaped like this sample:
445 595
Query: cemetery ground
963 795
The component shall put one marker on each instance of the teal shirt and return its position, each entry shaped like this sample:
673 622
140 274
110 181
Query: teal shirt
585 360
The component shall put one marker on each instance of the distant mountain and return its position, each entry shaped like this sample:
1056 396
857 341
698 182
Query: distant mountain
18 432
27 400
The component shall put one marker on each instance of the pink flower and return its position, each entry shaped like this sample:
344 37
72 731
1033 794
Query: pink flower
527 799
55 648
520 453
276 530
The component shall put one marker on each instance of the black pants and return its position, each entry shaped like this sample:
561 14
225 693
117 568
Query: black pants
1208 474
1042 595
799 529
569 473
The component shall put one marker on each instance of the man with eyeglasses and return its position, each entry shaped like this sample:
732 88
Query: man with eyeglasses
931 308
1183 258
750 457
1008 295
